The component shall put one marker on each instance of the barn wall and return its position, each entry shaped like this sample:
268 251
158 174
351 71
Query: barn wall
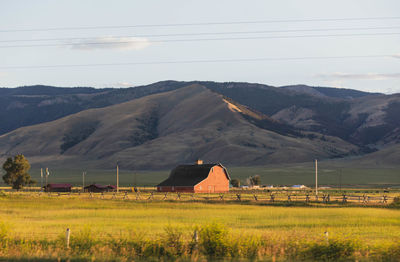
216 182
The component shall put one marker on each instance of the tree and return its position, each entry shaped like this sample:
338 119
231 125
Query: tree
256 180
235 182
253 180
17 172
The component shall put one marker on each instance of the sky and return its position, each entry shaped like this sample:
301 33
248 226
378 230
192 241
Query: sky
346 44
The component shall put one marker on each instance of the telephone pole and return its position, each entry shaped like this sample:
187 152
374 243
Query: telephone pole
316 177
41 179
47 174
117 178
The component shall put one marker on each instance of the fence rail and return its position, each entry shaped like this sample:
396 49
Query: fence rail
257 197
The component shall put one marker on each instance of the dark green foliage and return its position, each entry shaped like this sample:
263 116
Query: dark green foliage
235 182
147 129
17 172
78 133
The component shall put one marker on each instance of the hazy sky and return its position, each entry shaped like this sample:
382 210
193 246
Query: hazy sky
138 54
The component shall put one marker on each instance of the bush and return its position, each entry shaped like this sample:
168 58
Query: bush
4 229
173 239
333 250
82 241
390 252
214 240
396 201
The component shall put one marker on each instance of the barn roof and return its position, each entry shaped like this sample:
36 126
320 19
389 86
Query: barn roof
190 175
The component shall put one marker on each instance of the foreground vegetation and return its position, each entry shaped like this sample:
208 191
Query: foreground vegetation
130 230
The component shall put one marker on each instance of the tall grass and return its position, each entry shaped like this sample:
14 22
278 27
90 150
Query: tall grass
215 242
129 230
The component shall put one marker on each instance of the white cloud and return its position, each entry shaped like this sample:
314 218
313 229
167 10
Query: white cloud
124 84
367 76
120 43
396 56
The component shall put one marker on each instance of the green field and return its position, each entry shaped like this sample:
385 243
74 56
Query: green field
330 174
40 223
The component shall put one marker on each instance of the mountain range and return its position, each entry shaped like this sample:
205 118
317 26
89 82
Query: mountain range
167 123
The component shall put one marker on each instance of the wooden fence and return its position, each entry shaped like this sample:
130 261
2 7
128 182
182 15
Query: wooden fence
257 197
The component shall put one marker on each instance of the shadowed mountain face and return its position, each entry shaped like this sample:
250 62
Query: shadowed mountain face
169 128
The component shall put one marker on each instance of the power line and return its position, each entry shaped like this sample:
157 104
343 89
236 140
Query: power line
237 60
196 40
210 33
201 24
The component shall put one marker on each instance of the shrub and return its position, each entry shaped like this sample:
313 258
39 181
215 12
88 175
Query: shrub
214 240
82 241
4 229
173 239
396 201
333 250
390 252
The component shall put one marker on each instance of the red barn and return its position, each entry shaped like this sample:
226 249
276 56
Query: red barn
199 178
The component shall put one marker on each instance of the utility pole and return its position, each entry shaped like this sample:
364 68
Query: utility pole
47 174
41 179
340 179
83 181
117 179
316 177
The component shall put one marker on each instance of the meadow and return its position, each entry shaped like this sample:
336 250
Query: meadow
34 228
330 174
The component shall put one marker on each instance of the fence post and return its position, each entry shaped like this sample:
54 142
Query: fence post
67 235
238 197
151 196
344 200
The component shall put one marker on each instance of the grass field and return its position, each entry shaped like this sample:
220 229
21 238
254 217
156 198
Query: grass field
45 219
329 174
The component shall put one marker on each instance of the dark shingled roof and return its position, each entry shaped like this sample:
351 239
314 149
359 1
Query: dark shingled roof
190 175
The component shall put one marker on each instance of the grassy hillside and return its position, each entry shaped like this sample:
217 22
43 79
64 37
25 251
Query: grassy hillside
166 129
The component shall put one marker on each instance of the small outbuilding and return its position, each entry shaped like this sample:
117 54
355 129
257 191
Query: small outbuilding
96 188
198 178
57 188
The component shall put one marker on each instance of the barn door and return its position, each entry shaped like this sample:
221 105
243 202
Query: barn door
210 189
